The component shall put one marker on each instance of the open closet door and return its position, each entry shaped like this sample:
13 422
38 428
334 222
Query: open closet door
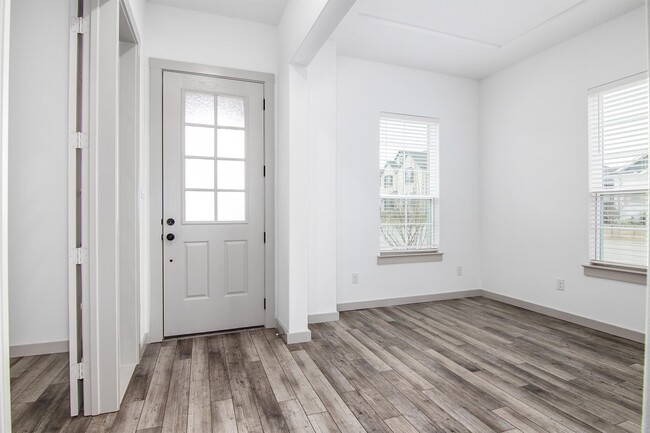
104 205
78 279
128 199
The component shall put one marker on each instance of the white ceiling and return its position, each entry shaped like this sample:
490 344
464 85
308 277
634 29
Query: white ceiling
261 11
468 38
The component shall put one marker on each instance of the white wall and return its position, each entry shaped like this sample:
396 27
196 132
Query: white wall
138 7
364 90
189 36
534 195
321 75
38 173
292 167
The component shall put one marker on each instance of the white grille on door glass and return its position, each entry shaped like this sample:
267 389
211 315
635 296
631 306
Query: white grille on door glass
214 154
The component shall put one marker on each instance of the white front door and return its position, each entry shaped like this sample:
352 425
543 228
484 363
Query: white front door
213 203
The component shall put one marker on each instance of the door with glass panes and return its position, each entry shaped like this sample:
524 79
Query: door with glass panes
213 203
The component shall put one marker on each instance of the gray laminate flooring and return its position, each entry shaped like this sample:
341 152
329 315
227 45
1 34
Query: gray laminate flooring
467 365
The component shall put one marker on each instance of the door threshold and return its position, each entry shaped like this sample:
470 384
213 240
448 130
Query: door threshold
211 333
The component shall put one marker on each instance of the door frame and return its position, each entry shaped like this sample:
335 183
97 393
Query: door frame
5 399
157 67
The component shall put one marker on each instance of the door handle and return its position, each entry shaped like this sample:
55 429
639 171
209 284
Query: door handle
171 237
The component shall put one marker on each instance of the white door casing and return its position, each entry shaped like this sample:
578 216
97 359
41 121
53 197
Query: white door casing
5 400
213 190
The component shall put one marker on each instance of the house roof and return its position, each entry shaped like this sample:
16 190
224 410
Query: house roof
420 159
638 166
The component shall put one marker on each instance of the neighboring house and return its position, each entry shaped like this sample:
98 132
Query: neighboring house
626 208
406 174
406 204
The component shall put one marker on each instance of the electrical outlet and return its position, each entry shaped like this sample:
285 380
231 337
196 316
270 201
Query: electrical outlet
560 284
459 271
355 278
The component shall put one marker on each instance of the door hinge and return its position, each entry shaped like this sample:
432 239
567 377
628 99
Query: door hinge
264 104
79 256
264 237
265 303
78 140
79 25
77 370
264 171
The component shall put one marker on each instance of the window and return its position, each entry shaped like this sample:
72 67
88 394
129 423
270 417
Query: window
214 144
409 209
409 176
618 173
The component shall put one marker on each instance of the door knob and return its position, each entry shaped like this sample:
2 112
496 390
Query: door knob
171 237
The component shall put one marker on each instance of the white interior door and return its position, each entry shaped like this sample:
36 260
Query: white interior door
213 204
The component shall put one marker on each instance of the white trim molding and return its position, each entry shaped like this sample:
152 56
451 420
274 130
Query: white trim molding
397 258
294 337
617 273
569 317
38 348
323 317
144 343
389 302
5 399
551 312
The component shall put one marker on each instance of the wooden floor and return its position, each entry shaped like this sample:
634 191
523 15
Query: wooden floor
470 365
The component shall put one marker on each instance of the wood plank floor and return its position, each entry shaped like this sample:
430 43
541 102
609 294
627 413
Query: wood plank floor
468 365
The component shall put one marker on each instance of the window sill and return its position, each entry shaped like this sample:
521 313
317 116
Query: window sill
396 258
617 273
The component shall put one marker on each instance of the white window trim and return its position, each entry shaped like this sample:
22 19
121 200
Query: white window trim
416 255
409 257
601 269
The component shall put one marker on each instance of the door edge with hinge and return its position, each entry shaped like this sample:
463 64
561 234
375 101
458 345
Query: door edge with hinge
78 276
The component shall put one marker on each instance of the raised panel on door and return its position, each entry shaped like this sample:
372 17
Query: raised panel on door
213 195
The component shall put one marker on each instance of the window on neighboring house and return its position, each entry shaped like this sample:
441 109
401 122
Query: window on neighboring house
409 211
409 176
388 181
618 173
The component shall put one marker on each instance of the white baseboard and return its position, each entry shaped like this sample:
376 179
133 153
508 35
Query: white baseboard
323 317
294 337
144 343
389 302
126 372
569 317
38 349
558 314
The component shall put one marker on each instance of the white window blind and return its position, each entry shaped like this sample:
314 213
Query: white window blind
409 192
618 172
